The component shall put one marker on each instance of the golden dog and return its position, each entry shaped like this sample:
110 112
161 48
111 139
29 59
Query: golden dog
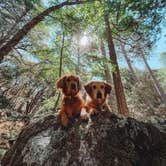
97 91
72 101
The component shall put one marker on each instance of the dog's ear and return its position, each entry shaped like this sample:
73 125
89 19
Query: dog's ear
108 88
79 83
60 84
88 88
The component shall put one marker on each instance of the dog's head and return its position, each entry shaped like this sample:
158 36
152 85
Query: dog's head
98 90
70 85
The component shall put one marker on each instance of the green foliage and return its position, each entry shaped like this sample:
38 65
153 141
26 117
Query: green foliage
162 72
142 95
28 83
44 42
48 104
8 73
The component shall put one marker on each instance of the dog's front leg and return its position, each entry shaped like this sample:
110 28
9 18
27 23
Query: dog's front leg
64 118
84 115
106 108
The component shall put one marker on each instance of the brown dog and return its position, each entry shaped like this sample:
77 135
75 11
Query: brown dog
97 91
72 101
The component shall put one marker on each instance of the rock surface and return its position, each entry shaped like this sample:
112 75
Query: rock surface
106 140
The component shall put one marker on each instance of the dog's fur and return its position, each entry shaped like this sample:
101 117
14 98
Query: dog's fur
97 91
72 102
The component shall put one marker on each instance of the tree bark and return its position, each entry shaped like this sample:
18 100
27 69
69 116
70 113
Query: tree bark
134 76
78 53
31 24
61 54
120 96
156 84
12 30
60 67
106 71
78 61
128 62
108 76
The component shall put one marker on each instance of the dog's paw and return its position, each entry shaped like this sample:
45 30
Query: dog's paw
106 108
93 111
84 114
64 122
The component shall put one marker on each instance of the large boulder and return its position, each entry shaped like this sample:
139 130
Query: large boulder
106 140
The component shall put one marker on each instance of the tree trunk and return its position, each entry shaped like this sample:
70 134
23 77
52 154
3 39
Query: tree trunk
134 76
78 53
31 24
128 62
108 77
156 84
60 67
61 54
106 71
120 96
12 30
78 61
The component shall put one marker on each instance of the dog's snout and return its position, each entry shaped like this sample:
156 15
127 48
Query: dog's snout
73 86
99 95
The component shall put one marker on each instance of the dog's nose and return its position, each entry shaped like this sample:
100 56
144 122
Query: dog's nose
99 95
73 86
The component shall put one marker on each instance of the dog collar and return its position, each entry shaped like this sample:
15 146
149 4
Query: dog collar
69 97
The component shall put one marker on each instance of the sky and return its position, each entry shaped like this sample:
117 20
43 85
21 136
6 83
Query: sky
153 59
158 49
154 55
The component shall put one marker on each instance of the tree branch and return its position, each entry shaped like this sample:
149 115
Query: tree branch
31 24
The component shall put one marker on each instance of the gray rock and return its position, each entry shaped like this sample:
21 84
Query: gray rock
106 140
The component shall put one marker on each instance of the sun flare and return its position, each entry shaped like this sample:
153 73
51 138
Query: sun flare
84 41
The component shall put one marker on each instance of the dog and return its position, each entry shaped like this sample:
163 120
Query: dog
72 101
97 91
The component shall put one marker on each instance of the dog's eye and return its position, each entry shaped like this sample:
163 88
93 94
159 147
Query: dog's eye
94 87
102 87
